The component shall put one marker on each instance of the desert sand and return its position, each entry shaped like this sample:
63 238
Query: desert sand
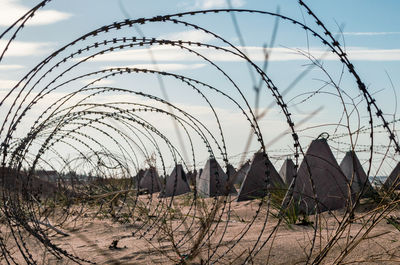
95 237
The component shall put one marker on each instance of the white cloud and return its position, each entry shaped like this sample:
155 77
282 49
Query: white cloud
371 33
6 84
168 53
361 54
19 48
10 67
163 67
11 10
208 4
190 35
174 54
159 53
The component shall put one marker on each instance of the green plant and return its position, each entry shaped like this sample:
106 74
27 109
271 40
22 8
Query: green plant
394 221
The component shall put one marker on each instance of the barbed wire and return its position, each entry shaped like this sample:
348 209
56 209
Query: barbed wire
97 146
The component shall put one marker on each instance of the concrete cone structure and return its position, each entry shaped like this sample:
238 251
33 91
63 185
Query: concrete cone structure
139 176
331 185
16 181
150 181
191 177
287 171
198 176
241 173
231 171
352 169
213 181
261 177
176 183
393 181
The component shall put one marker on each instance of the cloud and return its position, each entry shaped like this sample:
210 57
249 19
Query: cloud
232 118
361 54
10 67
175 54
19 48
6 84
190 35
208 4
10 11
168 53
370 33
163 67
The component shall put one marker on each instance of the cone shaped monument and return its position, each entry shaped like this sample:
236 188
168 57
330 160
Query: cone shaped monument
329 188
213 181
394 179
150 181
176 183
355 174
260 178
287 171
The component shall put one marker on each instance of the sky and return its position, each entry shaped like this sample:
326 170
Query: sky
368 29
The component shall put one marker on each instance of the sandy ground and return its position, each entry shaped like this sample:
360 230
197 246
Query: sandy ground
148 241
